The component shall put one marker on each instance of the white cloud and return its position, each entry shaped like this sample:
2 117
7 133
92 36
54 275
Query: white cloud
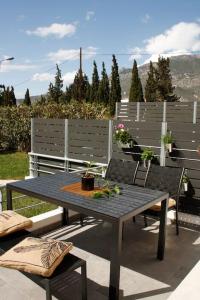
71 54
136 53
146 18
182 38
89 15
8 66
43 77
68 77
57 30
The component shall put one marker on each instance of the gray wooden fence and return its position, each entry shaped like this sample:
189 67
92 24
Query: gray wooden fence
60 144
188 112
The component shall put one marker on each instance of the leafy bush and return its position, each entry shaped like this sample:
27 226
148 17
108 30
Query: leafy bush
15 121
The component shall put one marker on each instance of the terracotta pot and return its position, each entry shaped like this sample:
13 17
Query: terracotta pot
87 183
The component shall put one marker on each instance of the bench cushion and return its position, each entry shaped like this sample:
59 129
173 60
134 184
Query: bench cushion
35 255
10 221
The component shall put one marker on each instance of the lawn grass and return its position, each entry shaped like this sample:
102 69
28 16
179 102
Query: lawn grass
15 166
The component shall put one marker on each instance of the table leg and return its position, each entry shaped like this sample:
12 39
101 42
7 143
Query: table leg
9 199
115 259
162 230
65 217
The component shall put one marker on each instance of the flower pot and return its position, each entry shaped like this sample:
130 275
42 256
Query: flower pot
185 184
146 163
87 183
122 145
169 147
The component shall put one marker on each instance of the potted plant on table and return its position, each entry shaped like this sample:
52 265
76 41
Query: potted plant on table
146 156
168 141
122 136
87 180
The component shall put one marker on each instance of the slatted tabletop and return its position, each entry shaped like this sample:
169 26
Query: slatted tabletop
131 201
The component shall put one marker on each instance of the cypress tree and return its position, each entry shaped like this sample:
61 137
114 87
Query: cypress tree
104 89
151 85
136 93
164 81
69 93
50 94
58 85
95 84
13 100
80 86
115 89
27 99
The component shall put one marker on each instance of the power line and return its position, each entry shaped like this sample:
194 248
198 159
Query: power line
110 54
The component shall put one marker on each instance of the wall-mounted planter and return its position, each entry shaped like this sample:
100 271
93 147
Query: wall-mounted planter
185 185
168 147
168 141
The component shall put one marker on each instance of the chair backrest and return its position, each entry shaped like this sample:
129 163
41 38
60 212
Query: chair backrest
122 171
166 179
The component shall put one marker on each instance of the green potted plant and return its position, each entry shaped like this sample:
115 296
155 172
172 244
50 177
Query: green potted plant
168 141
146 156
185 182
87 180
122 136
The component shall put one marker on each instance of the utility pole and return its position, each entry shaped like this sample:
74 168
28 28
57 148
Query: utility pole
81 61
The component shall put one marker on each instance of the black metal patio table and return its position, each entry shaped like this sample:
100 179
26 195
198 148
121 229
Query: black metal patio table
132 201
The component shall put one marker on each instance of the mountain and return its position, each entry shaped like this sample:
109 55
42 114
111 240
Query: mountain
185 70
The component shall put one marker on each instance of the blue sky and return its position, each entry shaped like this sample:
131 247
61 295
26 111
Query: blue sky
40 34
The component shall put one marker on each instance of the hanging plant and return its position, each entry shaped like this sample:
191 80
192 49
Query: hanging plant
185 182
168 141
146 156
122 136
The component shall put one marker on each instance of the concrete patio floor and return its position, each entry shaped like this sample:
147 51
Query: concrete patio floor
142 275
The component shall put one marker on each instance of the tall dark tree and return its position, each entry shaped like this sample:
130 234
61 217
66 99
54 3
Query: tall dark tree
9 96
95 84
68 93
136 92
164 81
50 94
27 99
104 89
2 90
151 85
58 85
115 89
80 86
13 99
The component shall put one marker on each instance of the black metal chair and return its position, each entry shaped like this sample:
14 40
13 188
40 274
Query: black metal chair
167 179
122 171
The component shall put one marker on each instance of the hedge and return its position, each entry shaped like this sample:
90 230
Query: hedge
15 121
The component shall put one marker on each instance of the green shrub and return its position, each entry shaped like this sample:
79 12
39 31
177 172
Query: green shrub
15 121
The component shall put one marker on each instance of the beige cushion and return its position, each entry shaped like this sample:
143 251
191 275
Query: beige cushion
157 206
34 255
11 221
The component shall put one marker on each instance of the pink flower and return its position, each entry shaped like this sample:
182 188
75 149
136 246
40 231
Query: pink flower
120 126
